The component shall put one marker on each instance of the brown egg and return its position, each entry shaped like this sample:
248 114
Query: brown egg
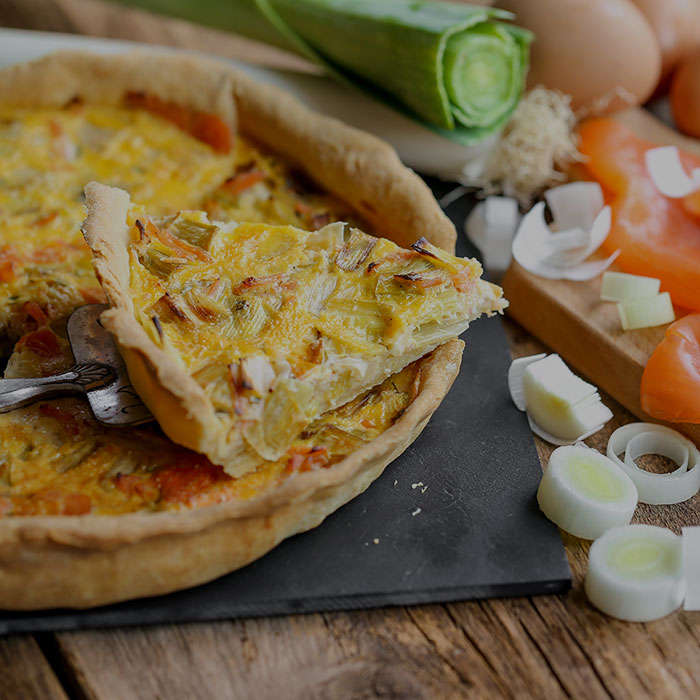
590 48
685 95
676 24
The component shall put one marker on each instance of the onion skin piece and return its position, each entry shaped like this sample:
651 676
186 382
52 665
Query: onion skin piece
670 387
685 95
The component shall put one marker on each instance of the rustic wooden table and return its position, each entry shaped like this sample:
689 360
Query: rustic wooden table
544 647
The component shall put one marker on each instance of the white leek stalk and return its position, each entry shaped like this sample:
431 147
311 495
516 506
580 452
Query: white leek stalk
635 573
585 493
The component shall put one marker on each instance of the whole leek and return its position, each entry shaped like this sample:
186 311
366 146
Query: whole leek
454 67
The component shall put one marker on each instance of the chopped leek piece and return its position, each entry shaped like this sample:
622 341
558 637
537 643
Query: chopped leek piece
635 573
389 291
247 320
560 402
209 373
360 314
585 492
159 263
257 374
646 313
438 256
334 438
621 286
320 289
169 308
205 307
79 452
287 411
194 232
355 251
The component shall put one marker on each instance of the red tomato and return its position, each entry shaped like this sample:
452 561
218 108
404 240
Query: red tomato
207 128
304 459
180 483
670 388
658 236
76 504
43 343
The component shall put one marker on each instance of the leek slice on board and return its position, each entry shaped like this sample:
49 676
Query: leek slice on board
646 312
451 66
621 286
691 567
585 493
635 573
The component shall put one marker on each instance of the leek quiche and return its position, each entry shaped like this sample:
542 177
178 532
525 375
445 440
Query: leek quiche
238 335
92 515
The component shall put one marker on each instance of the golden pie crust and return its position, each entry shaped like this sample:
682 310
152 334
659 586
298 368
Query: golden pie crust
175 398
83 561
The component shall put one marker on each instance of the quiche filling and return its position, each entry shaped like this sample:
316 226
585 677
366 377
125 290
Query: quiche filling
48 155
275 325
54 458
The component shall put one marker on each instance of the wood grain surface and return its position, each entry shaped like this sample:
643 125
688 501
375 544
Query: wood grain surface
545 647
571 319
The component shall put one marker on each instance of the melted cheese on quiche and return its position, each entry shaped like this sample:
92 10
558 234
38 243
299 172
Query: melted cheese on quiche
48 155
54 459
279 325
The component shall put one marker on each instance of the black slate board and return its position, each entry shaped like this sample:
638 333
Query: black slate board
474 532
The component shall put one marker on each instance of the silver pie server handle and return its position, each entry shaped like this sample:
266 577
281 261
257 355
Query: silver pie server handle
15 393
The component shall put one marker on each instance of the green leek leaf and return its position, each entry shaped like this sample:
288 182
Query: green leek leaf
454 67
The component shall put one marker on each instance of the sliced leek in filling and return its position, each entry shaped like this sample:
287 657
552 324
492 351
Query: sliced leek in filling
56 460
279 325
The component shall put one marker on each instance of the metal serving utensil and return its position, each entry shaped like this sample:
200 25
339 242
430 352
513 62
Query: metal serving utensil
99 374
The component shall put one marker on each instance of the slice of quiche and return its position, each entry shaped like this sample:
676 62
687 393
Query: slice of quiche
238 335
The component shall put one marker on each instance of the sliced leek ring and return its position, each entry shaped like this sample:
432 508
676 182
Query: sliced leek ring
637 439
586 493
691 567
635 573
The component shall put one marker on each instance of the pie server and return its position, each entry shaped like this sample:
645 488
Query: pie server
99 373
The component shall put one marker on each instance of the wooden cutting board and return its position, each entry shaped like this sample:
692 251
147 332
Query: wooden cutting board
572 320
